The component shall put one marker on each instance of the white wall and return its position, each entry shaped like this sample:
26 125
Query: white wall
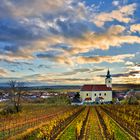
108 82
83 94
107 97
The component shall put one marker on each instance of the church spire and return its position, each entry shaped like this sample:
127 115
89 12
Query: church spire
108 79
108 74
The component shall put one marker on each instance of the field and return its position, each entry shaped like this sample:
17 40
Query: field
37 122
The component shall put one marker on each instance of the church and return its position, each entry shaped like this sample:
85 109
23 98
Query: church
97 93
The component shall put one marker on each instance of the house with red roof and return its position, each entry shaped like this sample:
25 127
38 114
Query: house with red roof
97 93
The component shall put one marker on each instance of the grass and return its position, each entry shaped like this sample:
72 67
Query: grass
92 128
118 133
69 134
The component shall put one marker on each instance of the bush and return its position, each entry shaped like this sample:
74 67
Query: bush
132 100
10 109
38 100
58 100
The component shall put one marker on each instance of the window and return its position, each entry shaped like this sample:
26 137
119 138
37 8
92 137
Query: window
95 94
105 94
87 94
100 94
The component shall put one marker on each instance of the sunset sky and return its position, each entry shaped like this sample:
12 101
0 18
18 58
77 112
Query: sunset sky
59 42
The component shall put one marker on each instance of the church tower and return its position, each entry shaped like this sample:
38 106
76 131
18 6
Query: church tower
108 79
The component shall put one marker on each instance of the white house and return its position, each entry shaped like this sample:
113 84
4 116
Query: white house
97 93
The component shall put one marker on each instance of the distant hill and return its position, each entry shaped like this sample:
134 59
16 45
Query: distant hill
116 87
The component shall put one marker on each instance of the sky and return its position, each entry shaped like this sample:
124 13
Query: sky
69 42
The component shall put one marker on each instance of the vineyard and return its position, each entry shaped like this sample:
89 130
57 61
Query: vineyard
109 122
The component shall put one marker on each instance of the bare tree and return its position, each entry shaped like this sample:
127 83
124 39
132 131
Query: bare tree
16 89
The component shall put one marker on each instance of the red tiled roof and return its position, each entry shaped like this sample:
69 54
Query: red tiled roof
95 88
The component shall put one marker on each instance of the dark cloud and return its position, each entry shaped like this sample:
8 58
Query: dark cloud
26 8
12 70
62 46
5 11
31 69
55 56
16 62
10 62
74 79
13 30
75 71
137 64
69 28
6 79
27 63
11 48
43 66
32 76
87 70
131 73
49 54
68 80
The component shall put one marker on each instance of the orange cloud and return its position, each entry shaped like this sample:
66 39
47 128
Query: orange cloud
113 37
122 15
99 59
34 7
135 28
3 72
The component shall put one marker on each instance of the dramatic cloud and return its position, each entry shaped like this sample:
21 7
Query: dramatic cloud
29 8
43 66
99 59
82 70
31 69
55 56
122 15
13 62
3 72
135 28
131 73
72 33
113 37
59 80
50 41
12 70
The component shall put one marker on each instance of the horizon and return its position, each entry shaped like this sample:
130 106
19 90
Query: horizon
3 85
69 42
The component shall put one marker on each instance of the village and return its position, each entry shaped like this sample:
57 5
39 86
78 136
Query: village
86 95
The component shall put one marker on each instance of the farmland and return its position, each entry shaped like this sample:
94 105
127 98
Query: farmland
73 123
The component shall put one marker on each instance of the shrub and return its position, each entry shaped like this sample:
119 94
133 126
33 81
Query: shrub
58 100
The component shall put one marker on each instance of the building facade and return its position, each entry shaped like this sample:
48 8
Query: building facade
97 93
